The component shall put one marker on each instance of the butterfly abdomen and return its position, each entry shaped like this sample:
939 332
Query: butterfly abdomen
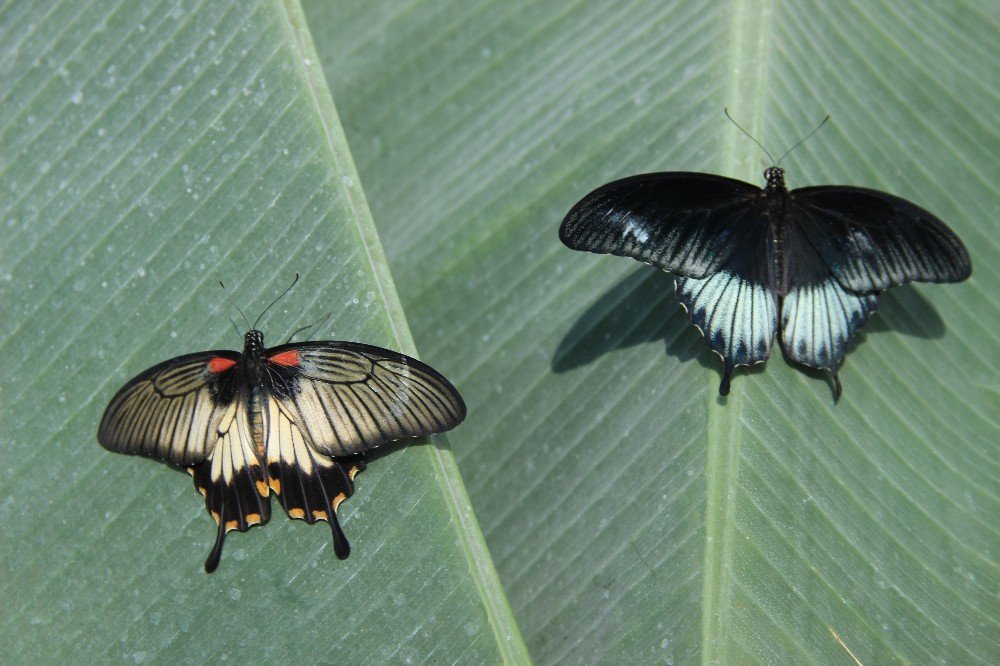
777 255
256 422
775 214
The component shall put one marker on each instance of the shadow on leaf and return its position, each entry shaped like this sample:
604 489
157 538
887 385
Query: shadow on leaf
638 309
641 308
905 310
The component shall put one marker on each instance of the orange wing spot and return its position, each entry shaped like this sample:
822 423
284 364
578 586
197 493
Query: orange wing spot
290 357
232 525
253 518
337 500
319 515
352 473
215 515
275 485
203 491
296 513
262 489
219 364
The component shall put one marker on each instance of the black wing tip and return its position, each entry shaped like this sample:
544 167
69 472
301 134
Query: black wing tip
963 272
103 440
458 402
566 229
461 411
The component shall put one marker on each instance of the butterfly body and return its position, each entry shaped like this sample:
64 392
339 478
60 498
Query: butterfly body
290 421
750 262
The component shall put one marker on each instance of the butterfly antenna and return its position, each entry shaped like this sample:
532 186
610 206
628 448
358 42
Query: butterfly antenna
308 326
235 306
288 289
801 141
740 127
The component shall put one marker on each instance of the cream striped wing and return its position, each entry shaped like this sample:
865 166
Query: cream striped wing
232 478
348 397
173 410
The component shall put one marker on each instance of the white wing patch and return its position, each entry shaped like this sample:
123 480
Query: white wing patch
234 451
737 317
286 445
232 479
819 320
234 490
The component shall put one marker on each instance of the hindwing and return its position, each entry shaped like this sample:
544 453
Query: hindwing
310 485
819 317
232 479
736 307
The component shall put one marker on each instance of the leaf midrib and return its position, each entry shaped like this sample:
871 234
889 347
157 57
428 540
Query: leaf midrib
751 29
506 633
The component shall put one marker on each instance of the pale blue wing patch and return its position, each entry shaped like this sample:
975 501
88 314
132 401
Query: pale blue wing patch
819 316
819 320
736 316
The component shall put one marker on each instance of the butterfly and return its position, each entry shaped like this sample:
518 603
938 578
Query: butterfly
291 421
746 259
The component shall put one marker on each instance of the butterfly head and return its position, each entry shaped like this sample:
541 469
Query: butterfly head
775 178
253 342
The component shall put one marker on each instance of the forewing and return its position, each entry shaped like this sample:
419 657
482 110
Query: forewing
310 484
347 398
819 317
172 410
872 240
232 478
685 223
735 308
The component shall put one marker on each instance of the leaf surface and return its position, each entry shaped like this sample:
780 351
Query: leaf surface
633 515
150 150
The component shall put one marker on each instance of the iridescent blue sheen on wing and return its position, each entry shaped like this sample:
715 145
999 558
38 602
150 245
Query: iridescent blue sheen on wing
685 223
872 240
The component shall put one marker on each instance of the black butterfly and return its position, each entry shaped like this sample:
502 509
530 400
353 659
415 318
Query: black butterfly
291 420
817 257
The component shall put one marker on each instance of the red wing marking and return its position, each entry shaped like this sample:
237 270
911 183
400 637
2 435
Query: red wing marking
219 364
290 357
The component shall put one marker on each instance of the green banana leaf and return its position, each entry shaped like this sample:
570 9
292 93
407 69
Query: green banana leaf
150 149
635 516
